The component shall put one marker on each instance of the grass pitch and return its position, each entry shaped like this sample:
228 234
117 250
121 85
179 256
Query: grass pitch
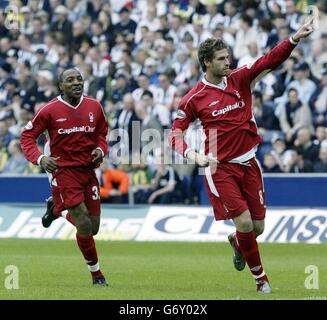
54 269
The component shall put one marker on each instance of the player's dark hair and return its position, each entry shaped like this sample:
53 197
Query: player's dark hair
207 50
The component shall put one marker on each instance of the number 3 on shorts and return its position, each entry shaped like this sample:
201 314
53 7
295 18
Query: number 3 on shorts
95 195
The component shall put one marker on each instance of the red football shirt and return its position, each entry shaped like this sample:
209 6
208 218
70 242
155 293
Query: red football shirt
73 132
225 110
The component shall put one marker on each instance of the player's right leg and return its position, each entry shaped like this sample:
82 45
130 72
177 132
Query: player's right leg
238 259
49 215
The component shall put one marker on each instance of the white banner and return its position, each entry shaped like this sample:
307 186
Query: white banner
166 223
198 224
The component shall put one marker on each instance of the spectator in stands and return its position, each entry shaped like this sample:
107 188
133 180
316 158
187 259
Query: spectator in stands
114 184
264 115
124 122
320 134
318 102
166 91
308 148
16 162
165 186
292 15
280 152
245 35
78 36
293 115
120 88
252 55
46 89
38 33
61 25
231 18
198 33
97 33
126 26
151 130
5 135
100 65
143 85
3 155
5 71
321 163
25 51
284 76
270 164
298 164
5 46
156 109
75 10
41 63
317 59
141 182
304 86
26 82
150 69
212 18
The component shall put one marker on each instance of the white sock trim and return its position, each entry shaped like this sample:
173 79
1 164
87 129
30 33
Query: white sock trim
94 268
64 213
259 276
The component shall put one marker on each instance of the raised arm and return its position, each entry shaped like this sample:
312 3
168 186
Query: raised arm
270 61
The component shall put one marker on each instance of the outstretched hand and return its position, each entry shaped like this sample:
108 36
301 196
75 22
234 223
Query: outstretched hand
305 30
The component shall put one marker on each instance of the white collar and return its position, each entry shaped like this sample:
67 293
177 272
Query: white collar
68 104
222 85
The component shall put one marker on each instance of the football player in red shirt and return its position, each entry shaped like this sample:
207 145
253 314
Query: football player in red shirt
76 129
222 101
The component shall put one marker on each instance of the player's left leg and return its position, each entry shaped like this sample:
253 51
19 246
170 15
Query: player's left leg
86 242
246 238
254 194
258 227
92 202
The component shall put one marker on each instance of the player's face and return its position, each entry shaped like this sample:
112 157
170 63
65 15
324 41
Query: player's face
219 65
72 84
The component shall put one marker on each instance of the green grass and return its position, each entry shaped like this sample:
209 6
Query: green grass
54 269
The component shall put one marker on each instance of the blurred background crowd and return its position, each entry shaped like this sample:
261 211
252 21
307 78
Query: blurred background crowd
139 58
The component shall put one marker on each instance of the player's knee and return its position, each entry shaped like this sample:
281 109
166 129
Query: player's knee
258 230
246 225
83 224
95 230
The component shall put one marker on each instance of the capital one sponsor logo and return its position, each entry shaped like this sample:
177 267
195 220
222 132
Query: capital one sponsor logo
237 105
76 129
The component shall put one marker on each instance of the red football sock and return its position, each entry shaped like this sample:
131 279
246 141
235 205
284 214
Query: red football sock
87 247
249 248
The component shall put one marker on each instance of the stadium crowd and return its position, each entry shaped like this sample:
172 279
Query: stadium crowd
139 58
